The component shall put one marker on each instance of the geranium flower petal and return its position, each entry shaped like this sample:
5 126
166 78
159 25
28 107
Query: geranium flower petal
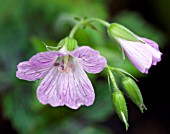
44 59
48 89
72 88
150 42
37 67
154 49
90 59
138 53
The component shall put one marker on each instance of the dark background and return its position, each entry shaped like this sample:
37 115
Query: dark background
154 86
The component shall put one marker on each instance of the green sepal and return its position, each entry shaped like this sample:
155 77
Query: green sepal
119 31
61 43
70 43
52 48
120 107
120 71
134 93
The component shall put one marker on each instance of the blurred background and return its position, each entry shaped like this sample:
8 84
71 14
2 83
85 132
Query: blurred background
25 23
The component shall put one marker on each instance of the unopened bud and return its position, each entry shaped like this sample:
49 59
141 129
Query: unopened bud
133 91
120 107
119 31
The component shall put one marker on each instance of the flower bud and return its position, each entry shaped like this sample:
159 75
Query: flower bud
70 43
120 107
118 31
133 91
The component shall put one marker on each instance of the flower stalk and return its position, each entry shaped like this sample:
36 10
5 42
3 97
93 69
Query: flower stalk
118 99
112 78
85 22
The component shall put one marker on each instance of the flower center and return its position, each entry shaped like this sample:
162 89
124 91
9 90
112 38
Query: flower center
64 64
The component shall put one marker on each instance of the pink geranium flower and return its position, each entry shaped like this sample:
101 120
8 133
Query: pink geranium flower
142 54
64 79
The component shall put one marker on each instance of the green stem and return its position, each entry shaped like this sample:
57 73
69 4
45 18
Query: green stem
105 23
121 74
77 26
112 78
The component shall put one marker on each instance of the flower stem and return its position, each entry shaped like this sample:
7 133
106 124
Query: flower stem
112 78
74 30
83 22
118 72
105 23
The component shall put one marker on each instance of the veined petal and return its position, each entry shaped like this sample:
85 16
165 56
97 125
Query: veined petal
27 72
90 59
37 67
150 42
48 89
72 88
44 59
154 49
138 53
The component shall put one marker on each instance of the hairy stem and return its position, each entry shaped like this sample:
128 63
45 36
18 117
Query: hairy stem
77 26
112 78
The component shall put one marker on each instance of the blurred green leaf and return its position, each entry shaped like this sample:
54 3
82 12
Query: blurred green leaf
95 130
102 107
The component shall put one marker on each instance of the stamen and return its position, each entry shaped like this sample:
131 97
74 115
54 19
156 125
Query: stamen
65 66
62 61
68 70
56 64
72 67
66 58
60 69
